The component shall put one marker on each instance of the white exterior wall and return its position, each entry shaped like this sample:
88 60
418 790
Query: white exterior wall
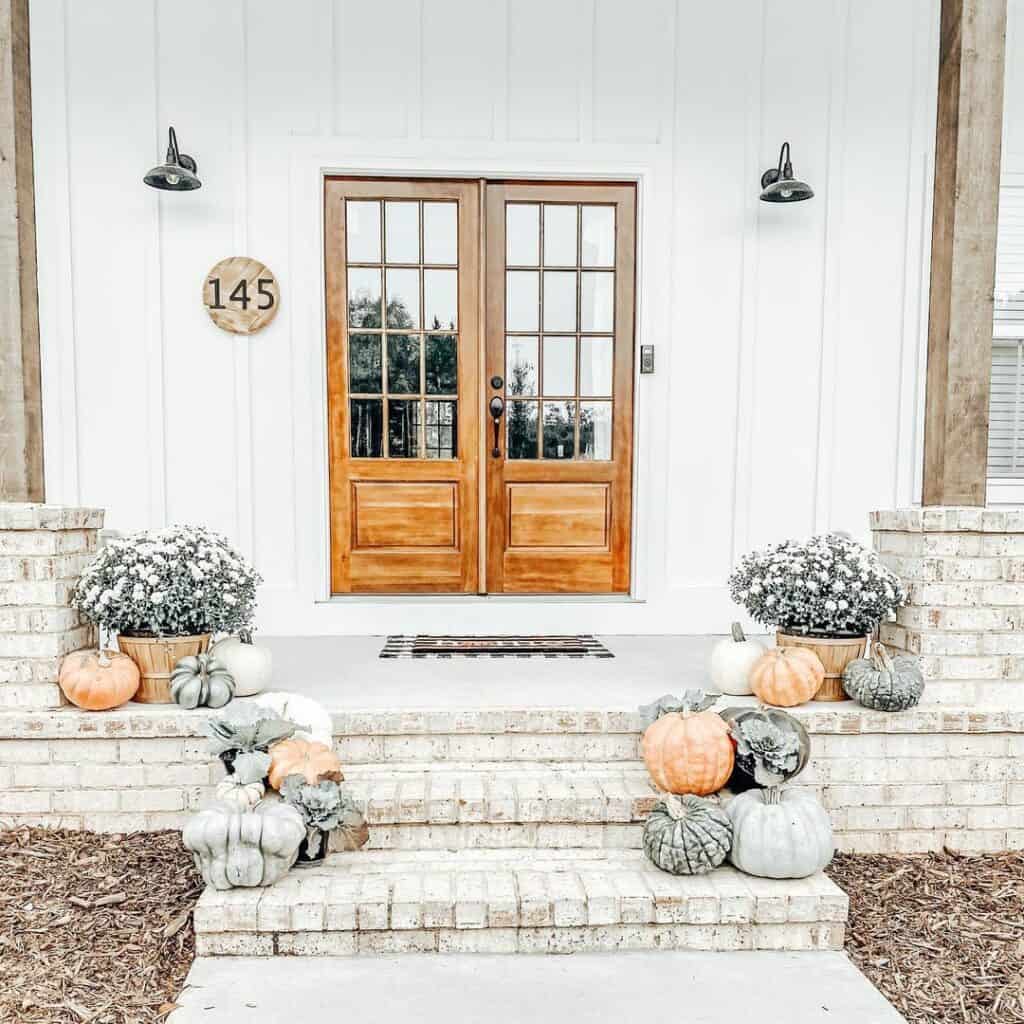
789 339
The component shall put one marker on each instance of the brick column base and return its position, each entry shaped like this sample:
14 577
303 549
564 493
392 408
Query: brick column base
964 569
43 548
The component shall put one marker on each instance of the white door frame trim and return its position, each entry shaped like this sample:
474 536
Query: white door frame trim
311 163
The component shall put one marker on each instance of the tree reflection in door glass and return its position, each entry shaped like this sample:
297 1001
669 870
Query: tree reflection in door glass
559 430
442 364
522 430
403 364
596 430
404 429
442 430
366 416
364 364
364 297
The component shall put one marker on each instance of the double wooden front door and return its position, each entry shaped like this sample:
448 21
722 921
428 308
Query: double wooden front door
480 385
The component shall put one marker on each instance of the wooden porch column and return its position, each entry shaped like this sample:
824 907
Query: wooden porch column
968 140
21 427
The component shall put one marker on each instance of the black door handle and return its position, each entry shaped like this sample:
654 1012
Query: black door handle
497 407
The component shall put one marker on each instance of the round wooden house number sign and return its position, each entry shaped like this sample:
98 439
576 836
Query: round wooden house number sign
241 295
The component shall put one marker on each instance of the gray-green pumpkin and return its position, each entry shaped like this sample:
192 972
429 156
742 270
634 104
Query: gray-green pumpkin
884 683
687 835
201 681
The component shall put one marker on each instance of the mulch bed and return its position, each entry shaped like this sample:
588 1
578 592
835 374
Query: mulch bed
940 935
93 927
98 928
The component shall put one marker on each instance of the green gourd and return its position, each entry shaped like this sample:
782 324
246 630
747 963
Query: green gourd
687 835
236 847
884 683
200 680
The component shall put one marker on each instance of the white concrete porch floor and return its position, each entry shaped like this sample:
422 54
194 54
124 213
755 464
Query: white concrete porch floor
585 988
347 672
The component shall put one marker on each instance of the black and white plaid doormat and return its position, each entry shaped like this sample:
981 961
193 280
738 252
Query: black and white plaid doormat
423 646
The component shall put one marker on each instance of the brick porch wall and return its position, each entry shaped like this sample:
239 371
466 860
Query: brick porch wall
964 617
43 548
914 781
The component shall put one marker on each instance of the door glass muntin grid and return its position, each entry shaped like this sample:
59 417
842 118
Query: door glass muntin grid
403 294
534 267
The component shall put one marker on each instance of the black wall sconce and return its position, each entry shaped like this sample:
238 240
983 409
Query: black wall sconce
778 184
177 173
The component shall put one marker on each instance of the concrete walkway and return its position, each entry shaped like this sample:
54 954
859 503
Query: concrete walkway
596 988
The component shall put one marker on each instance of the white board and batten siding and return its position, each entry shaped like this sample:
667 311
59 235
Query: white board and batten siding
1006 409
789 339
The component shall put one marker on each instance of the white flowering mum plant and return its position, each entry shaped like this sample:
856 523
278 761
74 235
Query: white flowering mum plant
828 586
179 581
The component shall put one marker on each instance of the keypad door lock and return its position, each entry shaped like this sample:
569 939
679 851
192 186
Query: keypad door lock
647 359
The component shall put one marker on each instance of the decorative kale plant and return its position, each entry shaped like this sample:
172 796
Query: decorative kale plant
691 700
322 806
178 581
828 586
773 754
245 728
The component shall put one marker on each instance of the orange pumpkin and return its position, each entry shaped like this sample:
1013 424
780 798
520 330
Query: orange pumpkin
787 676
98 680
313 761
688 752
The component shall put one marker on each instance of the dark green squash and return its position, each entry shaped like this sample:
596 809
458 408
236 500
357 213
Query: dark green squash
884 683
687 835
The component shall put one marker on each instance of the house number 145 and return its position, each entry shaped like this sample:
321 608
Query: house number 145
241 295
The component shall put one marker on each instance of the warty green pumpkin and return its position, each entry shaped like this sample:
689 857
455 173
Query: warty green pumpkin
687 835
884 683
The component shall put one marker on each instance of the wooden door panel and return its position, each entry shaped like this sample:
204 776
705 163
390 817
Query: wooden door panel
403 370
394 514
560 268
553 515
558 572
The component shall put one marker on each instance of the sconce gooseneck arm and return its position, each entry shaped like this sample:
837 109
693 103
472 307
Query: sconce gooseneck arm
785 166
172 147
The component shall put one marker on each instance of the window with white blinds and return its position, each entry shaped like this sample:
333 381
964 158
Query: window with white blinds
1006 408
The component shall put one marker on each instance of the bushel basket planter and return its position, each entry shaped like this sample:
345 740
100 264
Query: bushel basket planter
156 657
835 654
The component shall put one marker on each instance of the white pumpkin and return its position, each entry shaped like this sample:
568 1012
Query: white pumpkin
243 795
312 719
779 833
250 665
731 662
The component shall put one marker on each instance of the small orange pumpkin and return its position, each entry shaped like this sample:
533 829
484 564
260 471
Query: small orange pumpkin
787 676
313 761
688 752
98 680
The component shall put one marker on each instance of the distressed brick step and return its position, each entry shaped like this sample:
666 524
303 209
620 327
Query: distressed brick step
503 747
536 901
541 808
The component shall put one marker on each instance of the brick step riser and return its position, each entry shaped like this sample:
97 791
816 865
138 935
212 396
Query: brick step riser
602 938
504 836
595 748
